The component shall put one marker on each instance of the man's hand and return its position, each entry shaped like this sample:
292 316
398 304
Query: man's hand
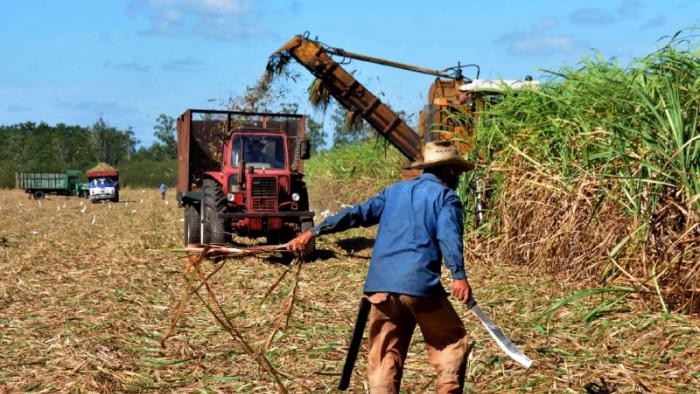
461 290
298 245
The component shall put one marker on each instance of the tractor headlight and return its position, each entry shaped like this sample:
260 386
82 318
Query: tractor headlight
230 197
295 196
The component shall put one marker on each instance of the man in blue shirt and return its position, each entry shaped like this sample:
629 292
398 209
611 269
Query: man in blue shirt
163 188
420 224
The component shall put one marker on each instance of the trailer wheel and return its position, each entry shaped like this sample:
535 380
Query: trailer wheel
38 194
213 203
192 225
310 251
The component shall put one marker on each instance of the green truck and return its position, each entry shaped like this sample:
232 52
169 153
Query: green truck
39 184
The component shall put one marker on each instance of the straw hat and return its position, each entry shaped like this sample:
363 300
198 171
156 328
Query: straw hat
441 153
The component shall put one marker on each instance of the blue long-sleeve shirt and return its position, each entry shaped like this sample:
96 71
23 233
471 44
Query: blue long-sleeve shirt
420 223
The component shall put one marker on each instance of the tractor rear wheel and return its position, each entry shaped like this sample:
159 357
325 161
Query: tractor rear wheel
192 225
213 203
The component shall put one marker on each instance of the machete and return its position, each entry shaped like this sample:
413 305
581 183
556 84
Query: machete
354 348
497 334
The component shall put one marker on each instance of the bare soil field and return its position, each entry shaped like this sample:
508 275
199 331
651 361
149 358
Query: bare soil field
87 291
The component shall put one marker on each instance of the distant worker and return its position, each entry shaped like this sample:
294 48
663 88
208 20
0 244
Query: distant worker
420 224
163 188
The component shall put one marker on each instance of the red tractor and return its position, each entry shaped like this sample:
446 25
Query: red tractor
241 173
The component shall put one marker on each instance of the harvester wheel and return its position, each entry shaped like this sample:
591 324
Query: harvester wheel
192 225
213 203
311 247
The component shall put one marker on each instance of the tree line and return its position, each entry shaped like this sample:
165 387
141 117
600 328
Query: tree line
41 147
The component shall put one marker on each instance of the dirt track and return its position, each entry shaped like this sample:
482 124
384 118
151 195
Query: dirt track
87 290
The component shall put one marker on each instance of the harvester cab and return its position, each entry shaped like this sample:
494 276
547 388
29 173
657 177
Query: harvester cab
241 173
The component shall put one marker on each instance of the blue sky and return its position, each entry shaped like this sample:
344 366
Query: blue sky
73 61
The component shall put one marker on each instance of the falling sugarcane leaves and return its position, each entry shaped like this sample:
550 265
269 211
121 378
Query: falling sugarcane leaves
276 67
319 95
353 121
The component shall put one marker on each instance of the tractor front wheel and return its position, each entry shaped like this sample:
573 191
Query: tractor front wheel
192 225
213 203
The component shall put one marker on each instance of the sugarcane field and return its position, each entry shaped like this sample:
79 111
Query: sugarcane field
317 197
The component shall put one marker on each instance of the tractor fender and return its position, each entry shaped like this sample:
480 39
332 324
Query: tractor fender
218 176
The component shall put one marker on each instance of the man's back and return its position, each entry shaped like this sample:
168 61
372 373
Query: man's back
419 221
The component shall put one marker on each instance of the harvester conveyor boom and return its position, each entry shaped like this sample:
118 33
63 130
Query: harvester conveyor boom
352 95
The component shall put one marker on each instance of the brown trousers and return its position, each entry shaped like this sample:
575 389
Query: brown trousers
392 319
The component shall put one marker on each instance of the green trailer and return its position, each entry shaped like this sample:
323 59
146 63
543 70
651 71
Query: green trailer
39 184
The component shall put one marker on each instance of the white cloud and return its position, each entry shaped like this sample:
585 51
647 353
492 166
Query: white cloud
598 16
630 8
655 22
224 20
527 44
111 108
183 64
542 45
128 66
545 23
18 108
592 16
175 8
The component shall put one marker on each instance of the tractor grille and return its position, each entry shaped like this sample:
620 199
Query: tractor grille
264 193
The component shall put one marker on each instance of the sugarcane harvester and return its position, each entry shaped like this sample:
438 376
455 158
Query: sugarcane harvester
436 121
